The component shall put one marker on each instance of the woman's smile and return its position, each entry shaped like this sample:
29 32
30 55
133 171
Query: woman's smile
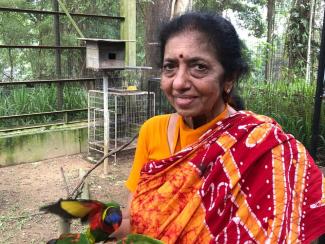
184 101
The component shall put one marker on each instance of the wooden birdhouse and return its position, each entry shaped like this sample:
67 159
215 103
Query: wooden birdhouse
102 54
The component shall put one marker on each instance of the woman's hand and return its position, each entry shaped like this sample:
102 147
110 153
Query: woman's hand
125 227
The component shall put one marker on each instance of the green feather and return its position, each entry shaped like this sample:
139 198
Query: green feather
74 239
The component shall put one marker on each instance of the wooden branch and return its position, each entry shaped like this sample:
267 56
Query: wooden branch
99 163
85 188
64 224
65 182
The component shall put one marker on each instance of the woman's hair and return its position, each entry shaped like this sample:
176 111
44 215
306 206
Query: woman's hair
219 32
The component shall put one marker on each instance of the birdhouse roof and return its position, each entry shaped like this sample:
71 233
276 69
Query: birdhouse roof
104 40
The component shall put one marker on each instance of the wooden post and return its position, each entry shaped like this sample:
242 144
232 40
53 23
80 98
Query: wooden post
64 224
106 122
85 189
128 30
56 27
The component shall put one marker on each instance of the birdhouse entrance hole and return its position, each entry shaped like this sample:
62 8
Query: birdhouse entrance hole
111 55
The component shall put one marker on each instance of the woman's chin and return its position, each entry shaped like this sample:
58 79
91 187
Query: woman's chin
187 112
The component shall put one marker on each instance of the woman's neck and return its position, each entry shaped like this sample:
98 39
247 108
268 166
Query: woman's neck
197 121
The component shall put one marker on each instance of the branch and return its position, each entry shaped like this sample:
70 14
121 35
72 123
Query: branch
99 163
65 182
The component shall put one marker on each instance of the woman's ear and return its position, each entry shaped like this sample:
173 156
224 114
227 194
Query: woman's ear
228 85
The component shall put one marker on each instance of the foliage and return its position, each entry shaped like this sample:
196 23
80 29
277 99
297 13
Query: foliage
256 61
248 12
26 100
37 29
297 36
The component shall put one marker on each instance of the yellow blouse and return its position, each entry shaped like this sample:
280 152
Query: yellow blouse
153 142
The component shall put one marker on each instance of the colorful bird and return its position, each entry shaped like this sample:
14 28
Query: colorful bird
103 219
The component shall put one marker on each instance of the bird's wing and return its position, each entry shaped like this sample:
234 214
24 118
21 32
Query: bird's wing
73 208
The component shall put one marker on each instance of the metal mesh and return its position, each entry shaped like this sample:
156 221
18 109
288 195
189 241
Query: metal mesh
127 110
31 105
162 105
95 121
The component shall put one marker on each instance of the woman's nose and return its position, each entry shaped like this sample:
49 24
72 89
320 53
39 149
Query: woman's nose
181 80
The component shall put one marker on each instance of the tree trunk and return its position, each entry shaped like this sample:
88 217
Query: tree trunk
310 33
180 6
269 40
155 13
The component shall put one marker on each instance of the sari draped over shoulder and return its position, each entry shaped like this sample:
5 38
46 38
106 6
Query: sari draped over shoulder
243 180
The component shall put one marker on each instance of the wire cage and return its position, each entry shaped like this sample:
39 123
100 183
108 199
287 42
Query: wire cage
127 110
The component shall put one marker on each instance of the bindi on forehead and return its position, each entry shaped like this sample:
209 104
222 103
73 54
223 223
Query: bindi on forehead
181 56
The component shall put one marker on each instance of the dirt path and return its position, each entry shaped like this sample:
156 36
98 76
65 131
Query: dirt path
24 188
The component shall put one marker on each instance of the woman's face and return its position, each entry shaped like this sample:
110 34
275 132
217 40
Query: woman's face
192 76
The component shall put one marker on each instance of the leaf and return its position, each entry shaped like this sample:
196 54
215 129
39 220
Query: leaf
139 239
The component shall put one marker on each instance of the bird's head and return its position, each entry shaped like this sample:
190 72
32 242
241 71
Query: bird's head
112 216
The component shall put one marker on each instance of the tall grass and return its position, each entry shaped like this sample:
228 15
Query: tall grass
290 104
26 100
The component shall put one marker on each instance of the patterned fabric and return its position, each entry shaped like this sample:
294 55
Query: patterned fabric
244 181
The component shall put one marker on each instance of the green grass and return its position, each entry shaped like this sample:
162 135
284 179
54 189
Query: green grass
290 104
26 100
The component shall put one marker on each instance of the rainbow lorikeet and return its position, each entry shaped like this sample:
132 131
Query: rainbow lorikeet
103 219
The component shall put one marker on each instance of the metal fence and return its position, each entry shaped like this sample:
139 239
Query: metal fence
56 92
127 111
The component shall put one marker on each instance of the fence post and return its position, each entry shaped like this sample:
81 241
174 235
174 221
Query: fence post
65 117
106 122
128 30
56 26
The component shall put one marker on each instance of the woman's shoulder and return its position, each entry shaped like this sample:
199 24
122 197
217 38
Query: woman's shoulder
156 122
249 121
249 115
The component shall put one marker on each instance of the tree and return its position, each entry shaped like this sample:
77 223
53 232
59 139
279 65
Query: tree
297 37
153 17
310 34
180 6
37 29
269 39
248 12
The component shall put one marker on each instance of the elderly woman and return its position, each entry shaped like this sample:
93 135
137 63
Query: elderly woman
210 174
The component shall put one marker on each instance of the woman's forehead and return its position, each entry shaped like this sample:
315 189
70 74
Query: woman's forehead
189 43
189 34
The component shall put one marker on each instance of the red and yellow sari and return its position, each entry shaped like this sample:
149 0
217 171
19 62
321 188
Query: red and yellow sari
244 181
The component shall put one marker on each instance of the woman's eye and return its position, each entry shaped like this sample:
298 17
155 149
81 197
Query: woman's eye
168 67
200 67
